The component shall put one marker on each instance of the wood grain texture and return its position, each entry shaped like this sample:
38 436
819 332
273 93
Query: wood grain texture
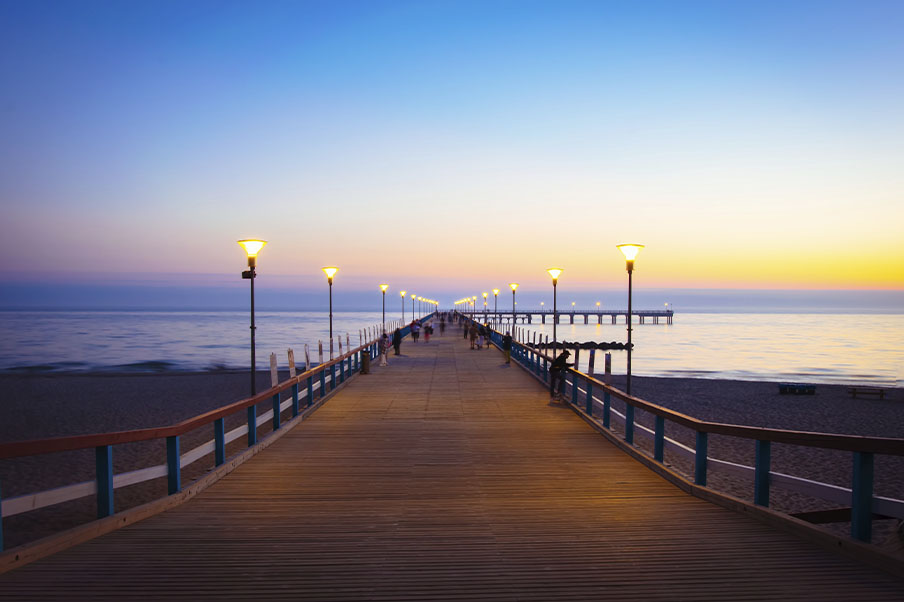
446 476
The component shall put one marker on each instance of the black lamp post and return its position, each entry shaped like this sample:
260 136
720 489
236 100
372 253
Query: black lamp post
555 273
630 251
383 288
252 248
496 307
330 272
514 286
402 293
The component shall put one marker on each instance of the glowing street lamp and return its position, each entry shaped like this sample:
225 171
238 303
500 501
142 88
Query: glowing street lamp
555 273
403 305
514 287
630 251
383 288
412 295
330 271
252 248
496 306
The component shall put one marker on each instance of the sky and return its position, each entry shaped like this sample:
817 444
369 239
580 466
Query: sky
449 147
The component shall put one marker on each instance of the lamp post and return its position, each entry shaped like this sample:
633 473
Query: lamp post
402 293
252 248
412 295
330 271
555 273
383 288
514 287
496 307
485 306
630 251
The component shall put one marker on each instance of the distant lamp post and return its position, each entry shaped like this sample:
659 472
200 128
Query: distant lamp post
597 304
555 273
630 251
412 295
496 306
383 288
402 293
514 287
330 271
252 248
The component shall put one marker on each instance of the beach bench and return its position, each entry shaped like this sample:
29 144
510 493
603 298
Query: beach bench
867 391
796 389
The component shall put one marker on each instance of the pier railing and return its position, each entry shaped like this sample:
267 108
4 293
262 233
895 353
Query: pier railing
305 390
592 399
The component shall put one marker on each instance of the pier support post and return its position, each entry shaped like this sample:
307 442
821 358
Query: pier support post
173 465
219 441
103 459
310 391
252 425
294 400
1 520
629 424
862 497
761 474
659 439
276 412
700 460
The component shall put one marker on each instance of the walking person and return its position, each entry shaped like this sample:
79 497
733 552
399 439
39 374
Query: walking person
384 349
472 335
442 326
397 340
481 335
557 375
507 347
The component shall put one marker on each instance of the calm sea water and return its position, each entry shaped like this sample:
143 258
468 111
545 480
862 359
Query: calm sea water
820 348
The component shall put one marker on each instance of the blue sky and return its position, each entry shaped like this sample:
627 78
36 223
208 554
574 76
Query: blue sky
418 142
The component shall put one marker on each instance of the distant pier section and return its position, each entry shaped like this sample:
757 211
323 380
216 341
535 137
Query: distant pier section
528 316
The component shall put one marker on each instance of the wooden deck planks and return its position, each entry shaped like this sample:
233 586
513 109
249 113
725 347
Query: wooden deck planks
444 477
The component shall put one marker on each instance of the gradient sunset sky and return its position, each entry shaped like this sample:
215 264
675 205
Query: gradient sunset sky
460 145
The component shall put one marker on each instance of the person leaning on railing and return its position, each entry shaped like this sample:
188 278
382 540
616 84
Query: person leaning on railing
557 374
507 347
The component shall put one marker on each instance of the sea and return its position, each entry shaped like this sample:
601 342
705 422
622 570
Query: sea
787 347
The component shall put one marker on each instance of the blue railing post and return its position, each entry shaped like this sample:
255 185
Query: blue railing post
219 441
276 412
659 439
700 460
629 423
252 425
294 400
103 456
173 467
588 407
761 474
332 377
1 520
862 497
574 387
545 369
607 409
310 391
322 382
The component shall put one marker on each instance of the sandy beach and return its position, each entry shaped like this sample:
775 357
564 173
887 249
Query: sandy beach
37 406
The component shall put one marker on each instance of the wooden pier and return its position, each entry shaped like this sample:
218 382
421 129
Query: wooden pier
446 476
613 316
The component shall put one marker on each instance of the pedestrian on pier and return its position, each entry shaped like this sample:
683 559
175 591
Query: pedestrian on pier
428 330
415 330
472 335
464 329
557 374
481 336
397 340
442 326
384 349
507 347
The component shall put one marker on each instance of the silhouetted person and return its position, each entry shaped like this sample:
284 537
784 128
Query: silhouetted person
397 340
507 347
557 374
